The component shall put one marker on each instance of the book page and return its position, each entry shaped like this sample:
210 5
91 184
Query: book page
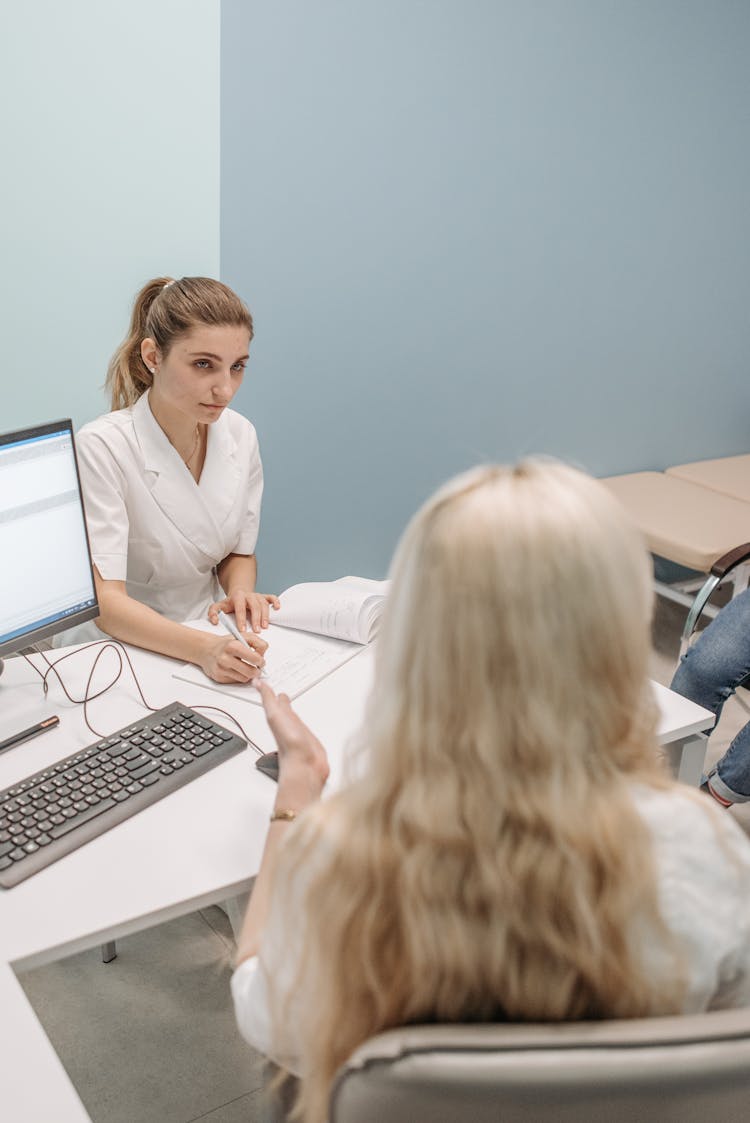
295 661
348 608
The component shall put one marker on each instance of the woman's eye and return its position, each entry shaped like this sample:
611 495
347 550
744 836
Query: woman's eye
202 364
239 367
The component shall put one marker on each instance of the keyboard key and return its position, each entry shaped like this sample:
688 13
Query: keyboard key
84 817
152 766
118 748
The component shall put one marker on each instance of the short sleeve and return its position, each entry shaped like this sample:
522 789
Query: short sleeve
248 535
103 490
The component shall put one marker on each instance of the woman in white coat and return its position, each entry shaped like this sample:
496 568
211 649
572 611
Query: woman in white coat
172 481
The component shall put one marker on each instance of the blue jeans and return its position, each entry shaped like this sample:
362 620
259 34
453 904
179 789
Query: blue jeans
709 674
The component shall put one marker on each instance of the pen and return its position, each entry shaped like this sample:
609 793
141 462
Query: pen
27 734
232 628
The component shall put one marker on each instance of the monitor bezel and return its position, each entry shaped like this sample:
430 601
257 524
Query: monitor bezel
51 628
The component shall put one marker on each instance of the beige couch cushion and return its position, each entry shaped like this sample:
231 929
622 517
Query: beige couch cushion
681 520
729 474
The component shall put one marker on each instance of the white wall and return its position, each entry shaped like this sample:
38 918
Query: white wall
110 175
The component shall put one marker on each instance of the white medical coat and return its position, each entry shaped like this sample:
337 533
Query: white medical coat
150 524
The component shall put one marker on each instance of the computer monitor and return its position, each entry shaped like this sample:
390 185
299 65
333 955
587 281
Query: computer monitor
47 579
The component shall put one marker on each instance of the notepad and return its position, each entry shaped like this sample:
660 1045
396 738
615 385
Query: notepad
319 627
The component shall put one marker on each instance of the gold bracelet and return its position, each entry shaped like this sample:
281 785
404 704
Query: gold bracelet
285 815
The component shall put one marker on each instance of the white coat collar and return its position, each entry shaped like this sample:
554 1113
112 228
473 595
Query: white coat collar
197 510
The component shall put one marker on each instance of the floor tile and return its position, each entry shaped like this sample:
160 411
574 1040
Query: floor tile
150 1037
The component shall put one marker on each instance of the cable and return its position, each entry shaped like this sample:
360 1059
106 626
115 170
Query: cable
119 650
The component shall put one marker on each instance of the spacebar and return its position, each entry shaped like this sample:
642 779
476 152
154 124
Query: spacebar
84 817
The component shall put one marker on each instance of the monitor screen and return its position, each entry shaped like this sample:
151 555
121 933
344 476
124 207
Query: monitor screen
47 579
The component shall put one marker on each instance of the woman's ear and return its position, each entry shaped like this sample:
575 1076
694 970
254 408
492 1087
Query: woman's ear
150 353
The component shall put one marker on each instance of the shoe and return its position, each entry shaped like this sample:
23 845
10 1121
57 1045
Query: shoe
725 803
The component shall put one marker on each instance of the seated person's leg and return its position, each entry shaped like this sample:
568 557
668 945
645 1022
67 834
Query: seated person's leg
709 673
729 779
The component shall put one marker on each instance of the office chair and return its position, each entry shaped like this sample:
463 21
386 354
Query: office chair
691 1069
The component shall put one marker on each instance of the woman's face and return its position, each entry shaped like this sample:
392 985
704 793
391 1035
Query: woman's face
201 372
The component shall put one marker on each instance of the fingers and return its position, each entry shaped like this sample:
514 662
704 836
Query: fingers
240 613
260 605
219 606
267 695
255 604
272 701
250 609
256 642
247 657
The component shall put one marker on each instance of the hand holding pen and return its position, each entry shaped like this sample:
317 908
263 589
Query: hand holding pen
233 630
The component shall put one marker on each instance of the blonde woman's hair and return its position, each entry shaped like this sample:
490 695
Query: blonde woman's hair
163 310
489 861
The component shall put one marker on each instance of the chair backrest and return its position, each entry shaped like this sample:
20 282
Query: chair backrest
692 1069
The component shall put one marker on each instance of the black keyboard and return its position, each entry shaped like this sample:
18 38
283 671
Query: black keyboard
55 811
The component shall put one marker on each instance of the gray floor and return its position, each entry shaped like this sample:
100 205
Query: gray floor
150 1038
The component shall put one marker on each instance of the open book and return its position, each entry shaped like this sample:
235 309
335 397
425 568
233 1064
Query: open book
345 609
319 627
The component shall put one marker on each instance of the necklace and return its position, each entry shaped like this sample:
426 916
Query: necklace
195 446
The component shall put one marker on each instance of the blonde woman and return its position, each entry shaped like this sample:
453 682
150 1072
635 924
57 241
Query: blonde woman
172 481
511 847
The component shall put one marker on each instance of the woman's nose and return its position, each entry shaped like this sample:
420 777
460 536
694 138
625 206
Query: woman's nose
222 387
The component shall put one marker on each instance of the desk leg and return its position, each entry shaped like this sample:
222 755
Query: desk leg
109 951
687 756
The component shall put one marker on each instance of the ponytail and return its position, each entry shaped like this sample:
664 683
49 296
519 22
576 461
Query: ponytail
163 310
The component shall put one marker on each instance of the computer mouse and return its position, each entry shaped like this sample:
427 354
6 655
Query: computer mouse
268 764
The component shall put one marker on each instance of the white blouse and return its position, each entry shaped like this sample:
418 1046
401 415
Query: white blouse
702 864
150 524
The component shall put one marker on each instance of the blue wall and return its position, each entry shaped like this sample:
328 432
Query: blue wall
473 230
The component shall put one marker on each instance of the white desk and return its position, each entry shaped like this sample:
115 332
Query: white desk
198 846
